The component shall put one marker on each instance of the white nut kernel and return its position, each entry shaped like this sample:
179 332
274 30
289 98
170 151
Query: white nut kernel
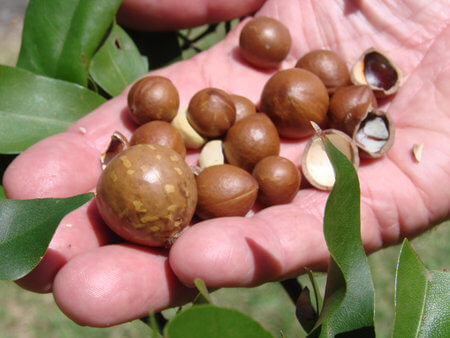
211 154
191 138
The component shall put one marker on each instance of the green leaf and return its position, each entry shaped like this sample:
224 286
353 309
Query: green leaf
26 228
154 326
117 63
203 296
422 298
2 192
348 306
60 37
33 107
212 321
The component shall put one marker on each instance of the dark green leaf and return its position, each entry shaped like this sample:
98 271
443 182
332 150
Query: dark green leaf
26 228
60 37
203 296
211 321
422 298
33 107
349 296
2 192
117 63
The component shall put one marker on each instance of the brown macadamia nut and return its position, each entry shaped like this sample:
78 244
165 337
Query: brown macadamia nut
292 98
159 132
328 66
147 194
153 98
211 112
244 106
117 144
250 140
278 180
225 190
264 42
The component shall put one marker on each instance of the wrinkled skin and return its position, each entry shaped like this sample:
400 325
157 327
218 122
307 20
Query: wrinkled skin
99 284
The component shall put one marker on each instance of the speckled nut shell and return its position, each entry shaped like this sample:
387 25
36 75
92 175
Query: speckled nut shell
225 190
147 194
278 179
292 98
349 105
264 42
250 140
159 132
211 112
328 66
153 98
378 72
244 106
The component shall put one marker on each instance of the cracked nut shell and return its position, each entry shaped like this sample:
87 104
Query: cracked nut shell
147 195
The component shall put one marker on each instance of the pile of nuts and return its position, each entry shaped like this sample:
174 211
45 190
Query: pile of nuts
148 194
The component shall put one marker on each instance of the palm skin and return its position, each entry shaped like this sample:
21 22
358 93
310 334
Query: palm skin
99 283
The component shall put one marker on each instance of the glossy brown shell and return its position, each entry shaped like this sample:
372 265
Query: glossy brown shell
278 179
250 140
153 98
244 106
264 42
292 98
159 132
225 190
147 194
211 112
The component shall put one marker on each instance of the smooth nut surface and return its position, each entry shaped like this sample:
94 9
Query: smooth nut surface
191 138
278 179
349 105
225 190
159 132
292 98
211 112
244 106
328 66
147 194
264 42
250 140
153 98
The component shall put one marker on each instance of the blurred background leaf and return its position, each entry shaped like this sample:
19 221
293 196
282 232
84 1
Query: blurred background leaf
117 63
27 228
60 37
422 298
33 107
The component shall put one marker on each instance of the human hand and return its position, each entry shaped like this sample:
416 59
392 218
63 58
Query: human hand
98 283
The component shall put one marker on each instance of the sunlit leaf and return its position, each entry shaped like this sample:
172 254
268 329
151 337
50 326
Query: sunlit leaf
211 321
422 298
33 107
117 63
26 228
348 306
60 37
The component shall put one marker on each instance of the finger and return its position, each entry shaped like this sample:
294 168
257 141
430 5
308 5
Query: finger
117 283
173 15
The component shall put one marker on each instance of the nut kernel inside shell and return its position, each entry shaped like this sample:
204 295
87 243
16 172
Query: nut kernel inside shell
147 194
211 154
191 138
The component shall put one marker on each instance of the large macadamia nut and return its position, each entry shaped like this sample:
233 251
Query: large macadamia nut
147 194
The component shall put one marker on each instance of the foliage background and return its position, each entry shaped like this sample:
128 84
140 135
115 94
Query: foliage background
24 314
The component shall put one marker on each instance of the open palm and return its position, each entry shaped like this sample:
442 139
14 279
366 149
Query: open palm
99 283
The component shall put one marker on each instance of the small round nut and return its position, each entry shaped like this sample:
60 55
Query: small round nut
211 154
159 132
225 190
244 106
328 66
264 42
250 140
153 98
191 138
147 194
278 180
211 112
292 98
